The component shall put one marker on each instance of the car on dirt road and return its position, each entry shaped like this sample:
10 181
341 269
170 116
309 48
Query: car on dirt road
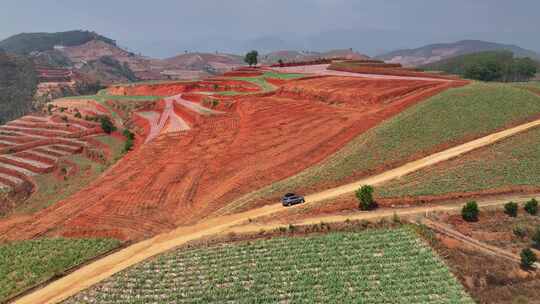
290 199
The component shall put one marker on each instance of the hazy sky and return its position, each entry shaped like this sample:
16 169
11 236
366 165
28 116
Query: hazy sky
166 27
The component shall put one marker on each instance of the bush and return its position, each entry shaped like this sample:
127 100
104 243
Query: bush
128 134
78 115
520 231
536 238
511 209
531 207
470 212
365 198
528 258
106 124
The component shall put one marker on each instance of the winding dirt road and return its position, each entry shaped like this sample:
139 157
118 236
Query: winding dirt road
108 266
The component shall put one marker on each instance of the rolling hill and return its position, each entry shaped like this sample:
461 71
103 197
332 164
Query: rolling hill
436 52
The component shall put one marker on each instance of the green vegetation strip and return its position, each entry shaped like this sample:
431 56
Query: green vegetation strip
452 116
512 162
265 85
375 266
27 263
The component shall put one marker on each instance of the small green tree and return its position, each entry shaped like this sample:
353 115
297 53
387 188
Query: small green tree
106 124
365 198
531 207
536 238
528 258
470 212
511 209
252 58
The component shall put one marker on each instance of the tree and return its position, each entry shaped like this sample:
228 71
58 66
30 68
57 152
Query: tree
511 209
252 58
280 62
106 124
365 198
528 258
531 207
470 212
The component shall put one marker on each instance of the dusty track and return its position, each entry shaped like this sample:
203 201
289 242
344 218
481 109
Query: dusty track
108 266
483 247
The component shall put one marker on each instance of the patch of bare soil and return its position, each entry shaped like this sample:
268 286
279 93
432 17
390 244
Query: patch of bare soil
487 278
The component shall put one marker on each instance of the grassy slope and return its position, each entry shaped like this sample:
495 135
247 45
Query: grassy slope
27 263
263 84
510 163
374 266
450 117
51 189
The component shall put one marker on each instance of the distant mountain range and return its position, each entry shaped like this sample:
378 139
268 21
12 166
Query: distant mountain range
437 52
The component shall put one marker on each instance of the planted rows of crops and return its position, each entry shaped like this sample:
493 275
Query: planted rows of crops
456 115
27 263
377 266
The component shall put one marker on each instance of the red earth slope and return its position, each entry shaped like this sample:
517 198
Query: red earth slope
180 178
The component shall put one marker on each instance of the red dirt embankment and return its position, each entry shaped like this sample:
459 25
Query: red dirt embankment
175 88
180 178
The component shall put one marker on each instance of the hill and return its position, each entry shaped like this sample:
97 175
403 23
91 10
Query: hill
436 52
291 55
26 43
18 82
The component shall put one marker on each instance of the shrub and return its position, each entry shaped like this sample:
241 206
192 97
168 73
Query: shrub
520 231
531 207
470 212
106 124
528 258
536 238
128 134
365 198
78 115
511 209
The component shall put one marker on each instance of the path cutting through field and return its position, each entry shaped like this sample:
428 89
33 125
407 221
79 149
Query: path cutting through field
110 265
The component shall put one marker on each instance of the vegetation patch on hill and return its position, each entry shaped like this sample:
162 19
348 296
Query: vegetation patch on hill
452 117
265 85
25 264
375 266
509 164
26 43
488 66
18 83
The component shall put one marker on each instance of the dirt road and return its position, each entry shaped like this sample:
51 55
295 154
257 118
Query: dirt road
108 266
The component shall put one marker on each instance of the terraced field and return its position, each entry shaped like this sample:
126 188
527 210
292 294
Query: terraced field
33 145
223 155
454 116
375 266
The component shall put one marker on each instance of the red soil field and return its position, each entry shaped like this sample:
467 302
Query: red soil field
180 178
169 89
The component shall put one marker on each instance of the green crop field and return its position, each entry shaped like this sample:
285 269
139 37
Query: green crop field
374 266
456 115
265 85
24 264
512 162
